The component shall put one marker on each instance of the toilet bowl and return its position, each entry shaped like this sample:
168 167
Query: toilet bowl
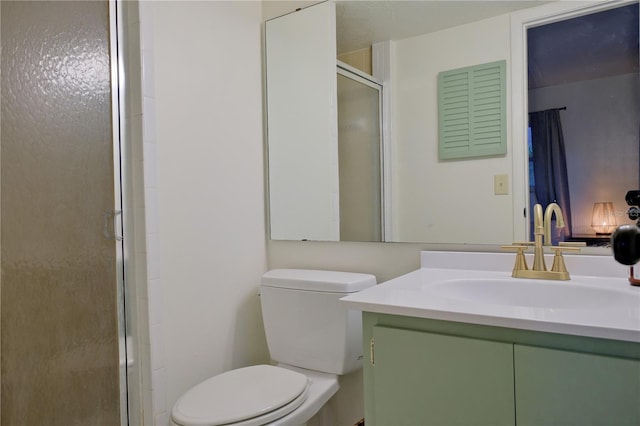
254 396
305 325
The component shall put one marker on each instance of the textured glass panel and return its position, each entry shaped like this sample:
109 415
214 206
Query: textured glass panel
359 161
58 306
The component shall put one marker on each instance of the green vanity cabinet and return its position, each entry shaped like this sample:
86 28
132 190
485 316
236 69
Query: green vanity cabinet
431 372
556 387
425 378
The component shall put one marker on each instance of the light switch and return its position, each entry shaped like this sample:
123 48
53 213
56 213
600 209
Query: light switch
501 184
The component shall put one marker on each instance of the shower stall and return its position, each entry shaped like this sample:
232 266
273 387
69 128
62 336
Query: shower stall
62 311
360 159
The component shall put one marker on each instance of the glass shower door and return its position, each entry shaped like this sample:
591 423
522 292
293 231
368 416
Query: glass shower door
359 158
59 296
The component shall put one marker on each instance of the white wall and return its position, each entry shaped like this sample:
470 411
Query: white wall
207 65
446 201
387 261
600 127
210 199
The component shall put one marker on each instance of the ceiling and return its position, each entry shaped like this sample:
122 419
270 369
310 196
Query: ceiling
361 23
584 48
593 46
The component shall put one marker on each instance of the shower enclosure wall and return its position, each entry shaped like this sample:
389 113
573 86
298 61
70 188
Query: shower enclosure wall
62 310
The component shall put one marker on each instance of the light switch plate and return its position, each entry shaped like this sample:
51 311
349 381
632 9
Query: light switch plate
501 184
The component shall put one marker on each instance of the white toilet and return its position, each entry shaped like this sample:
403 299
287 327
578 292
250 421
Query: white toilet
311 336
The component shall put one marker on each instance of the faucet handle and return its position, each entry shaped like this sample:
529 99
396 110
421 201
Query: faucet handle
521 261
558 260
516 246
524 243
572 244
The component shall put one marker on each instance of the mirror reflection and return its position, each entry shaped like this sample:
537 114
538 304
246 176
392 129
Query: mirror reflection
391 185
583 116
359 157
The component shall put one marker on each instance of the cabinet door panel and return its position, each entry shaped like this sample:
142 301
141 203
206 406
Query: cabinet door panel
430 379
302 124
555 387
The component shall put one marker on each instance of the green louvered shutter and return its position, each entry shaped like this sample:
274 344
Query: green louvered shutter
472 111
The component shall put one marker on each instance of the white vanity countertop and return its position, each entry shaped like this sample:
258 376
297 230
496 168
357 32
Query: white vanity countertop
477 288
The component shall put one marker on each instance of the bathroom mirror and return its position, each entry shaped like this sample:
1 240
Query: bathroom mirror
426 200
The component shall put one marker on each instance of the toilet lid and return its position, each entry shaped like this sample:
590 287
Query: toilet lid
242 394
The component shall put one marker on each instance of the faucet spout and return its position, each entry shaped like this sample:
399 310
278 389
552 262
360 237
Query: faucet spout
548 213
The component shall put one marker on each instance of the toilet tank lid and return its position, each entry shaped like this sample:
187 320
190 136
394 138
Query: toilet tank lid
316 280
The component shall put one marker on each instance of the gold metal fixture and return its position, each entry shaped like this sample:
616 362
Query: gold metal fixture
548 213
521 261
542 237
372 351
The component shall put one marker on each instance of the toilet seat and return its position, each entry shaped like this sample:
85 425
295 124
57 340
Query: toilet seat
248 396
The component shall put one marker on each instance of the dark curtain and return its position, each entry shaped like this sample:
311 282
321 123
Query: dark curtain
550 164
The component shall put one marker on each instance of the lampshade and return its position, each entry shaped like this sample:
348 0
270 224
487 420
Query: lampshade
603 219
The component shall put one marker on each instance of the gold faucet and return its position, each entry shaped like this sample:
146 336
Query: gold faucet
551 208
542 237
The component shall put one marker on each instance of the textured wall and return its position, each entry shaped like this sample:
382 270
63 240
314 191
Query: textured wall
59 329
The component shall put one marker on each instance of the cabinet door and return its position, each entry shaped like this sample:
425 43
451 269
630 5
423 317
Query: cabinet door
302 124
555 387
430 379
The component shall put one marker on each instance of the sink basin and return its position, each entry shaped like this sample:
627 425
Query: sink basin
533 293
476 288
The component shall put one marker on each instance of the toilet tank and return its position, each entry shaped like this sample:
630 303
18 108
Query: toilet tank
306 325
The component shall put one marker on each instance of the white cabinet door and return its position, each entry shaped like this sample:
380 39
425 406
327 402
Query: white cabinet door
302 124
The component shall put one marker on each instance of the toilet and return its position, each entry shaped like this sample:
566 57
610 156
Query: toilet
312 339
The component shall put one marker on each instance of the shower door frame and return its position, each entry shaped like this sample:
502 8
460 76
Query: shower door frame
357 75
117 62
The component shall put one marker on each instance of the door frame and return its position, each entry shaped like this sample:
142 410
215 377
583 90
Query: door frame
355 74
117 61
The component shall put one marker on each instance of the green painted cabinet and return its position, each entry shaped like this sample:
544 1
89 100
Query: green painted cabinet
429 372
425 378
556 387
